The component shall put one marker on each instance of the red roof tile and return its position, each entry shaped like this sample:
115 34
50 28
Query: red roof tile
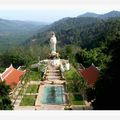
12 76
7 71
90 74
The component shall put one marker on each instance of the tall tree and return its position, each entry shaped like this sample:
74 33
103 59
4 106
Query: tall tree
5 102
105 95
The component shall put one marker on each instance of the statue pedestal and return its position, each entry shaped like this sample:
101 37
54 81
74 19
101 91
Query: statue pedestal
55 62
53 55
54 59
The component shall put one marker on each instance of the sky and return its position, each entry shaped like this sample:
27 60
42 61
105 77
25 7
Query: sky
53 10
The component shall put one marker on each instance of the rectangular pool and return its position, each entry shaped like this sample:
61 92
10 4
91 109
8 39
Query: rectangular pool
53 95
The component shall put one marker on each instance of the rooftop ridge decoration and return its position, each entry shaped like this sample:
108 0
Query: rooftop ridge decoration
12 76
7 69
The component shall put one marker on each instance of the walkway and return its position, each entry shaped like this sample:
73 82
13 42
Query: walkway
53 73
53 76
19 98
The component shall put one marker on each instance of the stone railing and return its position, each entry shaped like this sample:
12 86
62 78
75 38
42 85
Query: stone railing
62 71
45 72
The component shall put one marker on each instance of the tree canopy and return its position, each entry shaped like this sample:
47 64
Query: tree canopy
5 102
106 90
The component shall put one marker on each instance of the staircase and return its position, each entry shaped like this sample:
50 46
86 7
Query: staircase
53 73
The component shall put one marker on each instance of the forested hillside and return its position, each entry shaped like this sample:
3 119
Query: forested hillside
85 32
14 32
108 15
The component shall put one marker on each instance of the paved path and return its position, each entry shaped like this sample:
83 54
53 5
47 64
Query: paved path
24 108
50 107
53 73
35 82
53 76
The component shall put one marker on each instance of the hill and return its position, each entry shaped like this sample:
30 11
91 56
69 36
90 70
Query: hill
89 14
86 32
111 14
13 32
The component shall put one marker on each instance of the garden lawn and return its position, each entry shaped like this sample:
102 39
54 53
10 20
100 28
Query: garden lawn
76 99
32 89
28 100
34 75
69 75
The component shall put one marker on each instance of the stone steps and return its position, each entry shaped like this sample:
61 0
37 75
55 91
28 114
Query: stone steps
53 77
53 71
53 74
52 68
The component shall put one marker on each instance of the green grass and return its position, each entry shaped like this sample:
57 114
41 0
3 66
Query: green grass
76 99
69 75
28 100
34 75
32 89
78 103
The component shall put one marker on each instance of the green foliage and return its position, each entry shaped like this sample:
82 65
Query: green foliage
96 56
76 31
71 74
32 89
75 83
80 32
2 69
28 100
68 52
13 32
23 56
33 75
105 92
15 59
76 99
5 102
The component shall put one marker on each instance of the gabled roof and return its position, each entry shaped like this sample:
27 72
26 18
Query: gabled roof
90 74
12 76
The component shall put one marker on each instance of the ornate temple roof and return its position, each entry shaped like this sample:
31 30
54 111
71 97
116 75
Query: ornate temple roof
12 76
90 74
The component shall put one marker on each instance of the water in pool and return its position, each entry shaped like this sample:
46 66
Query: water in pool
53 95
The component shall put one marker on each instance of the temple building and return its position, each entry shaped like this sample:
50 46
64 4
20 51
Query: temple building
90 74
12 76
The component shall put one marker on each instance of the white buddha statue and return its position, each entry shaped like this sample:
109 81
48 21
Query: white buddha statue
53 42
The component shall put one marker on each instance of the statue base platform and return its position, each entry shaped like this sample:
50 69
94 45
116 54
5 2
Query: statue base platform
55 62
54 55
